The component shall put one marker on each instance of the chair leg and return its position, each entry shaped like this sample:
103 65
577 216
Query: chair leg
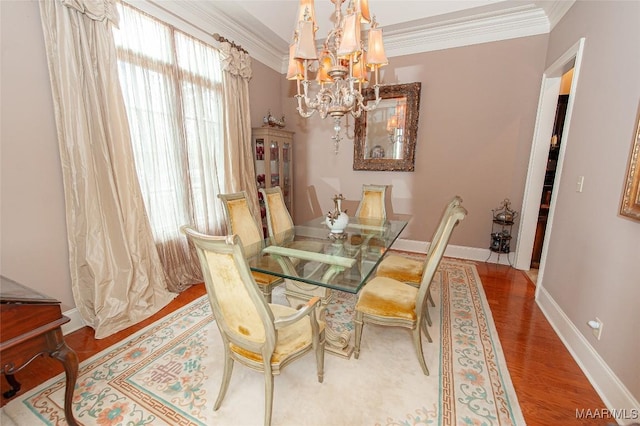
226 378
358 337
425 329
320 357
430 299
417 344
266 292
268 395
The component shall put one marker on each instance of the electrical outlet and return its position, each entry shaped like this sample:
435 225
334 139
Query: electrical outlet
596 327
579 184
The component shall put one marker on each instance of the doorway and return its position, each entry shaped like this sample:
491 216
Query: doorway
538 160
550 172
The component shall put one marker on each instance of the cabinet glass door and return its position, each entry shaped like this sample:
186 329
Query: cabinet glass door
286 173
259 153
274 165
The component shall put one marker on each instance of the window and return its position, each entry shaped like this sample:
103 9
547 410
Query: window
172 88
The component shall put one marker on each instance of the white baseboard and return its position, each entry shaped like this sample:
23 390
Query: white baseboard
410 245
460 252
613 392
76 322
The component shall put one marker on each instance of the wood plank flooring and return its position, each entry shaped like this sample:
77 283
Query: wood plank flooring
549 384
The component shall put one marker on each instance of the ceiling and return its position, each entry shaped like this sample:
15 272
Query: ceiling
264 27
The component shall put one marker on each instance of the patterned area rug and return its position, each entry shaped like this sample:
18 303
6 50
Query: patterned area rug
169 374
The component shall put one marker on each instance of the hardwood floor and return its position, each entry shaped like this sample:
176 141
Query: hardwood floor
549 384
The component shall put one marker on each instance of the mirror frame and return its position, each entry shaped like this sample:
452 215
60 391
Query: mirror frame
631 196
412 92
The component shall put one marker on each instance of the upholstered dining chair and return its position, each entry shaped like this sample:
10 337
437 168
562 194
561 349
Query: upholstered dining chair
389 302
372 203
410 270
259 335
279 223
240 221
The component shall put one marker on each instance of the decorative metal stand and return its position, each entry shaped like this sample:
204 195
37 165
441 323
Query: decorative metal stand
503 220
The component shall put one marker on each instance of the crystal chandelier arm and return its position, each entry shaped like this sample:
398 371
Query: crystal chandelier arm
301 111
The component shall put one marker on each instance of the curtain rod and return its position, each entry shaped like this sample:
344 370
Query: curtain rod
221 39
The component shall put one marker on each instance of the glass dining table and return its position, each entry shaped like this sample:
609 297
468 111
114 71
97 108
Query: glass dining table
313 262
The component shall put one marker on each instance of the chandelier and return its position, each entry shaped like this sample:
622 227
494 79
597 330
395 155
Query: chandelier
341 66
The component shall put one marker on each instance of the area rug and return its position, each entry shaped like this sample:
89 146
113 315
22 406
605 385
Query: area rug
169 374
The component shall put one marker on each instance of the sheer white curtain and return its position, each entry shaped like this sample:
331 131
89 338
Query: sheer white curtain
190 131
117 279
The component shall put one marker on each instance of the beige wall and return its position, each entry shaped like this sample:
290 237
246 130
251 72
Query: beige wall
265 93
477 113
592 264
33 239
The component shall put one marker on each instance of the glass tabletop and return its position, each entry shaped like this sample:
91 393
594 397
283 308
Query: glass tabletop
311 254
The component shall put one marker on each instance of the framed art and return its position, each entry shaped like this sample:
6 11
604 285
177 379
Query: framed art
631 197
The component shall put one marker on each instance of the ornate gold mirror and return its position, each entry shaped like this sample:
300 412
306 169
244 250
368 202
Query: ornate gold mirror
631 196
385 138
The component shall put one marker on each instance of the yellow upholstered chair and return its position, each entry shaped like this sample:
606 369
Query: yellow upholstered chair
240 221
259 335
409 270
389 302
372 203
279 223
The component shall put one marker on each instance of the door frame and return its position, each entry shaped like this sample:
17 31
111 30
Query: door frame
549 93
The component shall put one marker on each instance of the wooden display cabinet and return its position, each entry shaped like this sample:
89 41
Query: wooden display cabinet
273 156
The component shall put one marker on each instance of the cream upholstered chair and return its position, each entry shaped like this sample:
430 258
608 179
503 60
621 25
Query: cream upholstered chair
240 221
257 334
389 302
372 204
410 270
279 223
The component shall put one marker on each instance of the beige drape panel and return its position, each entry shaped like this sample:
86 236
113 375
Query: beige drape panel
117 279
239 166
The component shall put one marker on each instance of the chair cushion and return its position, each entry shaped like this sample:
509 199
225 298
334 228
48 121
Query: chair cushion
291 339
386 297
269 264
264 279
401 268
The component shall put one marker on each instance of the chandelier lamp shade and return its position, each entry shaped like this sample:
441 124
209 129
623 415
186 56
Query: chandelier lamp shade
341 68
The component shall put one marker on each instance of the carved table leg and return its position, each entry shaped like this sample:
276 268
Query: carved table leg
15 386
337 342
69 360
298 293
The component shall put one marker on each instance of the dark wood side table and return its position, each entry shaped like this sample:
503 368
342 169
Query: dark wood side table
30 326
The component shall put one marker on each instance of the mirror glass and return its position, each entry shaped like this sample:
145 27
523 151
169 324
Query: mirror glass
385 137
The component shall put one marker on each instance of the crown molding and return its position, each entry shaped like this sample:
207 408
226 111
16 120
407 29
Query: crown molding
557 10
205 18
521 21
516 22
250 34
202 19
